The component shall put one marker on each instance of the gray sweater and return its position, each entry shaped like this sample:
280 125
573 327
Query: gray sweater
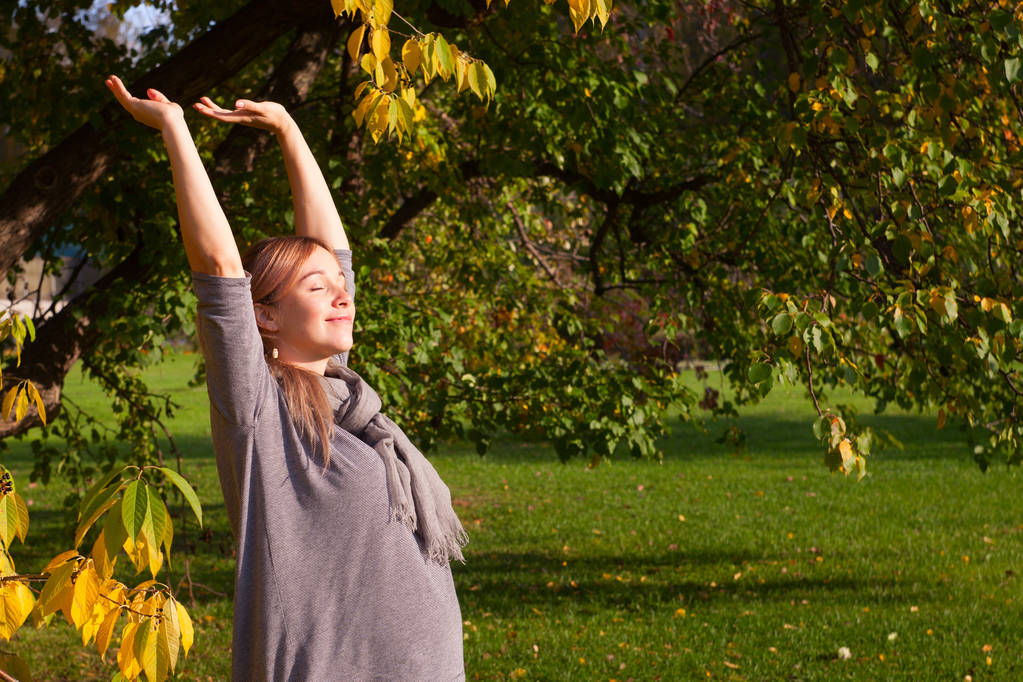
326 586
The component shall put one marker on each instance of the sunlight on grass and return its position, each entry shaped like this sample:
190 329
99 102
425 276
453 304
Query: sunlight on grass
756 565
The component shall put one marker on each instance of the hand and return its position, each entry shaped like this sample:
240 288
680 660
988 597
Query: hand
263 115
155 112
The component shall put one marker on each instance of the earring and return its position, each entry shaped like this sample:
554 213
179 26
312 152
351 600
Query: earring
273 353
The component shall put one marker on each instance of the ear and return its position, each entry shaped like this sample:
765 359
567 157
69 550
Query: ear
266 317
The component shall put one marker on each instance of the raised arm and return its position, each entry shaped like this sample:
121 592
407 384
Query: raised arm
315 213
209 243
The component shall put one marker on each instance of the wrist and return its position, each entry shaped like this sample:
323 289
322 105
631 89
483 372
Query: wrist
286 127
174 126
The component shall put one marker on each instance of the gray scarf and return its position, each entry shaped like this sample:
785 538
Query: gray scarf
418 497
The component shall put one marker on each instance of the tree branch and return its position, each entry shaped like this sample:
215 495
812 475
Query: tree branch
47 187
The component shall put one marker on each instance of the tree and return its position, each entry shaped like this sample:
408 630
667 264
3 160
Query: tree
819 193
700 159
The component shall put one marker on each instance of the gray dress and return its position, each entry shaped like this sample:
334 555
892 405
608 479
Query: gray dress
326 586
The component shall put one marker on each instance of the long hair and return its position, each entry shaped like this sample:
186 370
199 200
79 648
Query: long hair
275 264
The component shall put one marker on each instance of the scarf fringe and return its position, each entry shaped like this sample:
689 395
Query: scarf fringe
417 497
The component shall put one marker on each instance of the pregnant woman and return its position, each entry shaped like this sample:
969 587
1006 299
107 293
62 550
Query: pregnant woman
344 530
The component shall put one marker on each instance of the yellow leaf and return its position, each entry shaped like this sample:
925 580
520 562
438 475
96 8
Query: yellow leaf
106 630
150 647
462 75
168 634
22 510
380 41
8 520
57 589
379 118
603 11
362 6
33 393
184 625
138 552
411 56
368 63
60 559
986 305
99 613
364 107
16 603
795 82
382 11
579 11
845 449
355 42
130 666
941 418
21 407
85 594
8 403
390 75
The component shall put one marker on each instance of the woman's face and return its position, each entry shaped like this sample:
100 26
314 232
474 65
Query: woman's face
314 320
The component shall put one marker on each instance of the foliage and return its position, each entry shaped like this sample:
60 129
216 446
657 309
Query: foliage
83 587
19 328
818 194
388 101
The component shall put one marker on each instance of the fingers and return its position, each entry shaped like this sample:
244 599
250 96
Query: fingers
120 92
207 103
157 96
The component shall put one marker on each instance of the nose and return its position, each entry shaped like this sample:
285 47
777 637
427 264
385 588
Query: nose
341 297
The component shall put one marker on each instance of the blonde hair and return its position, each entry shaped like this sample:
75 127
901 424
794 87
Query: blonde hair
275 264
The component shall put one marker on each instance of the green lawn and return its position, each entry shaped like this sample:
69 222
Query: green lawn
757 566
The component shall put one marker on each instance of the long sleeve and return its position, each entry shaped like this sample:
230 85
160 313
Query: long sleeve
236 372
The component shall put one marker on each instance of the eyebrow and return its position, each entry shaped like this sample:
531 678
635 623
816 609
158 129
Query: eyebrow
319 272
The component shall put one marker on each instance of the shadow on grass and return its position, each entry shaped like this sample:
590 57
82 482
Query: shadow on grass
506 583
768 437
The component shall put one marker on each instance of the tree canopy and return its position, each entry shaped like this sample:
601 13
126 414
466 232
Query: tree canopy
819 193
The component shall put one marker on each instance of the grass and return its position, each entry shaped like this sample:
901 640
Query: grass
757 566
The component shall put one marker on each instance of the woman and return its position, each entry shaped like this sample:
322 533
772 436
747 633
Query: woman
344 530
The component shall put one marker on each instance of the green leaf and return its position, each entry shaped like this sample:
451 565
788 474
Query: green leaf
135 508
100 504
873 265
872 61
898 177
476 77
186 490
99 484
114 534
781 324
1012 69
447 63
759 373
